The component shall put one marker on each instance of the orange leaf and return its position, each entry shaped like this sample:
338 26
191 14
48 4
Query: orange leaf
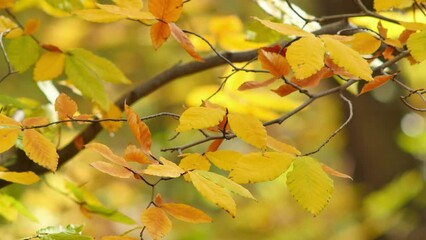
40 150
186 213
65 106
6 3
334 172
166 10
139 129
51 48
256 84
275 63
31 26
113 112
377 82
215 145
111 169
403 37
184 41
160 32
382 30
106 152
156 222
158 200
79 142
134 154
388 53
35 121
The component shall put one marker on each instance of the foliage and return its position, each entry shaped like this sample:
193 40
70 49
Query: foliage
298 61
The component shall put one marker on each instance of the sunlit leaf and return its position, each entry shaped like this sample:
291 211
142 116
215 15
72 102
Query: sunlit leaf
98 15
280 146
413 25
139 129
309 184
31 26
134 14
130 4
156 222
306 56
166 169
184 41
160 32
7 121
416 45
35 121
224 159
364 43
274 62
166 10
134 154
113 112
227 183
112 169
49 66
65 106
383 5
286 29
377 82
347 58
22 52
40 150
8 137
194 161
260 167
248 128
106 152
213 192
25 178
186 213
199 118
334 172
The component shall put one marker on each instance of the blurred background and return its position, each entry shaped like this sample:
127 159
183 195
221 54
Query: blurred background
383 148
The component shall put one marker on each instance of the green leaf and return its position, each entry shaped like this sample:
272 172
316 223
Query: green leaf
10 207
22 52
86 80
70 232
309 184
110 213
66 5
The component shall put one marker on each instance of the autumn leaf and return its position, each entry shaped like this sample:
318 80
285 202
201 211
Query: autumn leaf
414 26
166 169
256 84
199 118
139 129
131 13
337 70
377 82
194 161
185 213
31 26
7 121
134 154
113 112
49 66
111 169
98 15
40 150
156 222
274 62
129 4
365 43
166 10
22 52
383 5
25 178
416 45
334 172
260 167
160 32
184 41
285 29
106 152
248 128
224 159
213 193
35 121
347 58
280 146
8 136
214 146
6 3
65 106
306 56
309 184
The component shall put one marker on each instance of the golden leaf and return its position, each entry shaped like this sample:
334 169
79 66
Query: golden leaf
25 178
8 138
40 150
186 213
134 154
49 66
306 56
139 129
98 15
166 169
280 146
248 128
7 121
416 45
156 222
200 118
115 113
364 43
286 29
194 161
111 169
65 106
224 159
106 152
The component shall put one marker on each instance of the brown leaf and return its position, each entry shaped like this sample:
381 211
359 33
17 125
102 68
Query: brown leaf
139 129
382 30
338 70
388 53
215 145
275 63
403 37
377 82
256 84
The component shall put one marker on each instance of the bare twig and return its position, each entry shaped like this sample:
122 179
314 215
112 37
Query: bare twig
10 70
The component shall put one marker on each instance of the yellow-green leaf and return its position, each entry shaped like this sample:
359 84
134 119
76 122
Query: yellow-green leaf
248 128
364 43
213 193
10 207
6 23
417 45
49 66
40 150
383 5
306 56
260 167
134 14
186 213
22 52
8 138
286 29
224 159
156 222
347 58
25 178
111 169
309 184
280 146
200 118
98 15
194 161
166 169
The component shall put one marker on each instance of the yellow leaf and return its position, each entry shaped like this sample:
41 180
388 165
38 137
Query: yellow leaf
186 213
226 183
224 159
134 14
347 58
199 118
280 146
49 66
106 152
364 43
118 238
417 45
156 222
31 26
248 128
306 56
286 29
111 169
65 106
214 193
40 150
260 167
413 25
25 178
115 113
139 129
8 138
98 15
7 121
194 161
134 154
383 5
6 23
309 184
166 169
130 4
